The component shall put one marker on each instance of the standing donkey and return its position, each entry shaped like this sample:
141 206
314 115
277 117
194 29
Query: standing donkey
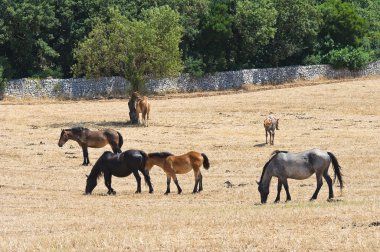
270 125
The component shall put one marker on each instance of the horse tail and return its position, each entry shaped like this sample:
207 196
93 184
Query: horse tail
142 167
120 139
337 170
206 163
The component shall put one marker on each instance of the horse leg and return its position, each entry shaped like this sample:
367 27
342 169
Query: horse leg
319 185
196 179
147 115
200 182
147 179
279 187
143 115
329 183
86 160
285 183
272 137
168 178
266 136
107 182
138 180
176 183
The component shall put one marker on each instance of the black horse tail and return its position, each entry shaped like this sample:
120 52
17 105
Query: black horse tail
120 139
206 163
142 168
337 169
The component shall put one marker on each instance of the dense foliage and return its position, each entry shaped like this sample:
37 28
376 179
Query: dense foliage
137 38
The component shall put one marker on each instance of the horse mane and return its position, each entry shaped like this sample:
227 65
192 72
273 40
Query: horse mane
278 151
136 95
78 130
273 155
160 154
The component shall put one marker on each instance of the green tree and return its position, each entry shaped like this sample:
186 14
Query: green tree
297 26
215 42
133 49
342 26
255 26
26 42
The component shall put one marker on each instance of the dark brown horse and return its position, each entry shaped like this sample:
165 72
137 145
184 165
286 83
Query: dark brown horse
182 164
142 106
119 165
93 139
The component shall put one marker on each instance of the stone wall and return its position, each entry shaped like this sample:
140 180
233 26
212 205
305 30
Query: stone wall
67 88
83 88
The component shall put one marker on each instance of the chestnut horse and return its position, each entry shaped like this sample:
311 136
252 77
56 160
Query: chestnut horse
94 139
142 106
182 164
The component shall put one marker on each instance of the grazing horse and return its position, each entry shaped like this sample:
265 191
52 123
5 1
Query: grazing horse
94 139
142 106
173 165
119 165
270 125
302 165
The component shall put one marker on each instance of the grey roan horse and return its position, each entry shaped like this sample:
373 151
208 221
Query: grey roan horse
302 165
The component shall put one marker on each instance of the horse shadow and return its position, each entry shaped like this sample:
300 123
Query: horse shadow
260 145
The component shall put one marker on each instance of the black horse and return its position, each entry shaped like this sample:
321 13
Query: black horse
119 165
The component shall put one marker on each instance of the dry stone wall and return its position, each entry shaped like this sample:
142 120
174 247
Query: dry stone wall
84 88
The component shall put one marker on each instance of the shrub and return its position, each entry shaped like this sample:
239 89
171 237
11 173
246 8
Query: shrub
3 82
349 57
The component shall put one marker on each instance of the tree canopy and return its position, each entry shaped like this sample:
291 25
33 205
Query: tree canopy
158 38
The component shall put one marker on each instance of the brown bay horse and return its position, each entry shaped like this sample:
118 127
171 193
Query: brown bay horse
182 164
142 106
93 139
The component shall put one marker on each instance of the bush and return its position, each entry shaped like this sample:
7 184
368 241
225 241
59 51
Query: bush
349 57
3 82
194 67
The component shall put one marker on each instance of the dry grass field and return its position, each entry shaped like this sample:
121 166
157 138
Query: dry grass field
41 185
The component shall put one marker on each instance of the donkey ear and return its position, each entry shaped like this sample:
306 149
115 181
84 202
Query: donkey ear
258 182
86 176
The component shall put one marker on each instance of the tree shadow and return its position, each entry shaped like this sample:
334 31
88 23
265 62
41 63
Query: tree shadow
93 124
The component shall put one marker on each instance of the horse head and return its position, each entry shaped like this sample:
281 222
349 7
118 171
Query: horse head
264 192
63 138
90 185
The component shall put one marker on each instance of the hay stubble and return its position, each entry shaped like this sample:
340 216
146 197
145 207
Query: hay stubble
41 186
